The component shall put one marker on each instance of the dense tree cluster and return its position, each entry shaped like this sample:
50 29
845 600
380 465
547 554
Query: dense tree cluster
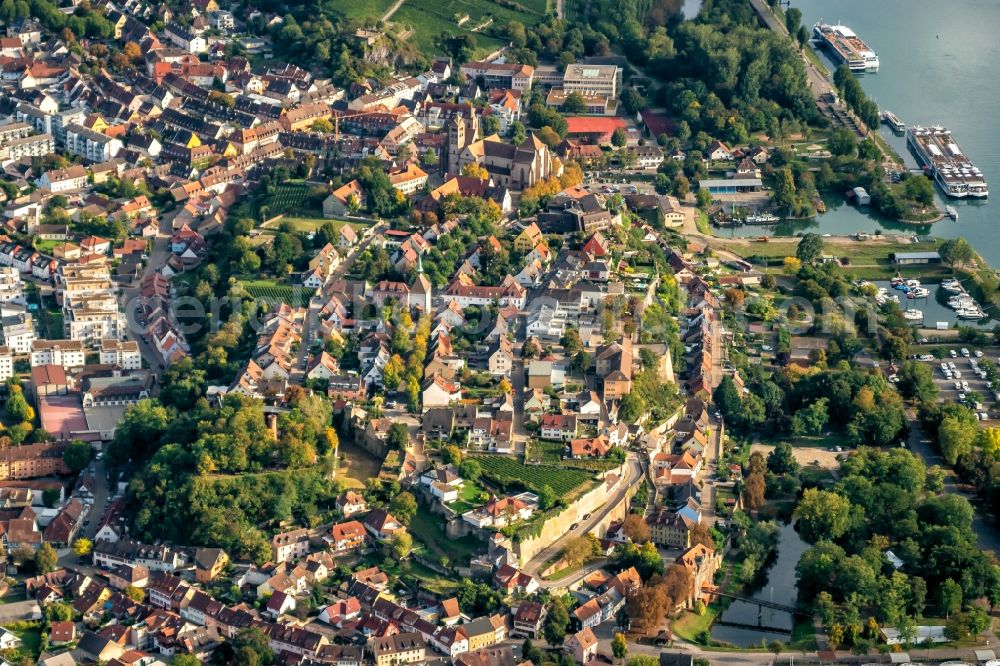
845 398
219 477
884 500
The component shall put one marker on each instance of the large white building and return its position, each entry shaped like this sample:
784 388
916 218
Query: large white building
11 289
66 353
91 145
18 332
592 79
124 353
6 364
91 318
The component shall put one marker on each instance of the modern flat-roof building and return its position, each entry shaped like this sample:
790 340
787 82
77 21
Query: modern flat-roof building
913 258
593 79
731 185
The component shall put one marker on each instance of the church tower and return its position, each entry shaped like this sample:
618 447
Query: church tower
456 142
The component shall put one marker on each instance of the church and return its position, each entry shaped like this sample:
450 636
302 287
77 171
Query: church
515 167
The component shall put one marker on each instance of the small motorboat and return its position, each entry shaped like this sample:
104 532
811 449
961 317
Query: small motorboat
913 315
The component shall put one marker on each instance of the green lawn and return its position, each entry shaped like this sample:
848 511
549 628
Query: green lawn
691 626
822 442
426 528
431 18
466 498
368 11
307 224
46 246
31 642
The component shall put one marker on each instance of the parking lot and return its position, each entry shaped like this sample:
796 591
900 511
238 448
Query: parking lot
960 377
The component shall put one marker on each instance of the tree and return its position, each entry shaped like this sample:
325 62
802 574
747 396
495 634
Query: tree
810 248
556 623
842 142
252 643
619 138
919 189
956 437
633 406
791 265
822 514
470 470
619 646
398 437
474 170
17 409
548 136
532 653
183 659
949 597
402 544
429 158
636 528
793 19
735 297
754 487
77 455
46 559
916 382
781 460
546 497
811 420
135 594
83 547
574 104
404 507
956 252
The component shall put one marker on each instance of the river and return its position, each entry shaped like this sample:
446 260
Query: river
779 588
938 64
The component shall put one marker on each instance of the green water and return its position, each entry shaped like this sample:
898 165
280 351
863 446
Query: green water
939 65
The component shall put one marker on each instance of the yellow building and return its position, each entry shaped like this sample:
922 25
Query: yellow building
528 239
484 632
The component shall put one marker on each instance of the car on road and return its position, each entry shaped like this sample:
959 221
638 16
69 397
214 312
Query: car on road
586 516
573 526
965 352
979 353
953 353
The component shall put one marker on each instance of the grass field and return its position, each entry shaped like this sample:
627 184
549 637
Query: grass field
511 474
430 18
362 10
271 291
426 527
360 465
307 224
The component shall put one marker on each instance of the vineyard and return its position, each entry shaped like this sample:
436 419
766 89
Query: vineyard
509 474
288 198
272 292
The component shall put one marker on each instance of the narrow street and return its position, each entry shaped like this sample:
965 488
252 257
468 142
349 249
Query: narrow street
132 297
633 474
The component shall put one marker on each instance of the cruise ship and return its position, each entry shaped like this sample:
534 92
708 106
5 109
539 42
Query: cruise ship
944 160
847 48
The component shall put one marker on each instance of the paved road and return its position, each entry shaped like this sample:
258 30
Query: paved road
633 474
158 256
